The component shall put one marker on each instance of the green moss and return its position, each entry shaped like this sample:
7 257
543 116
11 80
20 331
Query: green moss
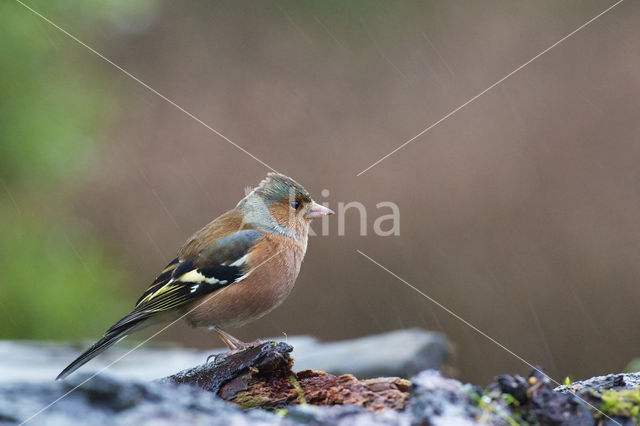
296 385
248 401
510 399
489 404
624 402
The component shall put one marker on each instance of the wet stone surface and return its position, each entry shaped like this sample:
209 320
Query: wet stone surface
104 401
365 357
258 386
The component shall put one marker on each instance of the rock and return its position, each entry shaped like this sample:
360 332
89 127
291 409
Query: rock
401 353
383 393
346 415
27 361
436 400
258 377
371 356
230 374
259 386
261 376
105 400
600 383
536 402
617 396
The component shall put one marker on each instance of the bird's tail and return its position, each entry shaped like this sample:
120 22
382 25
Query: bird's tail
113 336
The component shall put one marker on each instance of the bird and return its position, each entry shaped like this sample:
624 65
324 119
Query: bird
234 270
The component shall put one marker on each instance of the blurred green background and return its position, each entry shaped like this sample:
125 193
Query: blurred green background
519 213
59 280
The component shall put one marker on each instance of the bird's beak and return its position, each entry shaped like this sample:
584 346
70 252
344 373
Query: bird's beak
318 210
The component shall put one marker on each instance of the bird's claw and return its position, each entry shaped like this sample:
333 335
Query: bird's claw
244 346
215 358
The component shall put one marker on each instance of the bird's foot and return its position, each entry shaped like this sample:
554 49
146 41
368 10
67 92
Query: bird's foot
235 345
253 344
237 348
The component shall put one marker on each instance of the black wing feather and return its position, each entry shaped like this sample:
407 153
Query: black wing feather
171 289
180 282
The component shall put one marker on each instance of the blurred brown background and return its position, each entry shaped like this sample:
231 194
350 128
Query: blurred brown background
519 213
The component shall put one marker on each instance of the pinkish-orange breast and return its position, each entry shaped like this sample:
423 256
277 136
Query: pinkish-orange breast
274 266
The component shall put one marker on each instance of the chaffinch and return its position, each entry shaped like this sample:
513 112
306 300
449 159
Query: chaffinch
236 269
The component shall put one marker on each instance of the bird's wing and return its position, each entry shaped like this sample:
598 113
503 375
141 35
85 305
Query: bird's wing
184 280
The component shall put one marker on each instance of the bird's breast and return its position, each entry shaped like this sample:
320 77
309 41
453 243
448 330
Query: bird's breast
273 269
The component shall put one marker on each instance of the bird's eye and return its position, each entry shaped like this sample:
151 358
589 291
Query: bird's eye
295 204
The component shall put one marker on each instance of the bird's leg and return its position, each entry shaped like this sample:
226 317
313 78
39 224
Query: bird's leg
232 343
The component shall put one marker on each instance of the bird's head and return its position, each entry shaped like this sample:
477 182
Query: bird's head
280 204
